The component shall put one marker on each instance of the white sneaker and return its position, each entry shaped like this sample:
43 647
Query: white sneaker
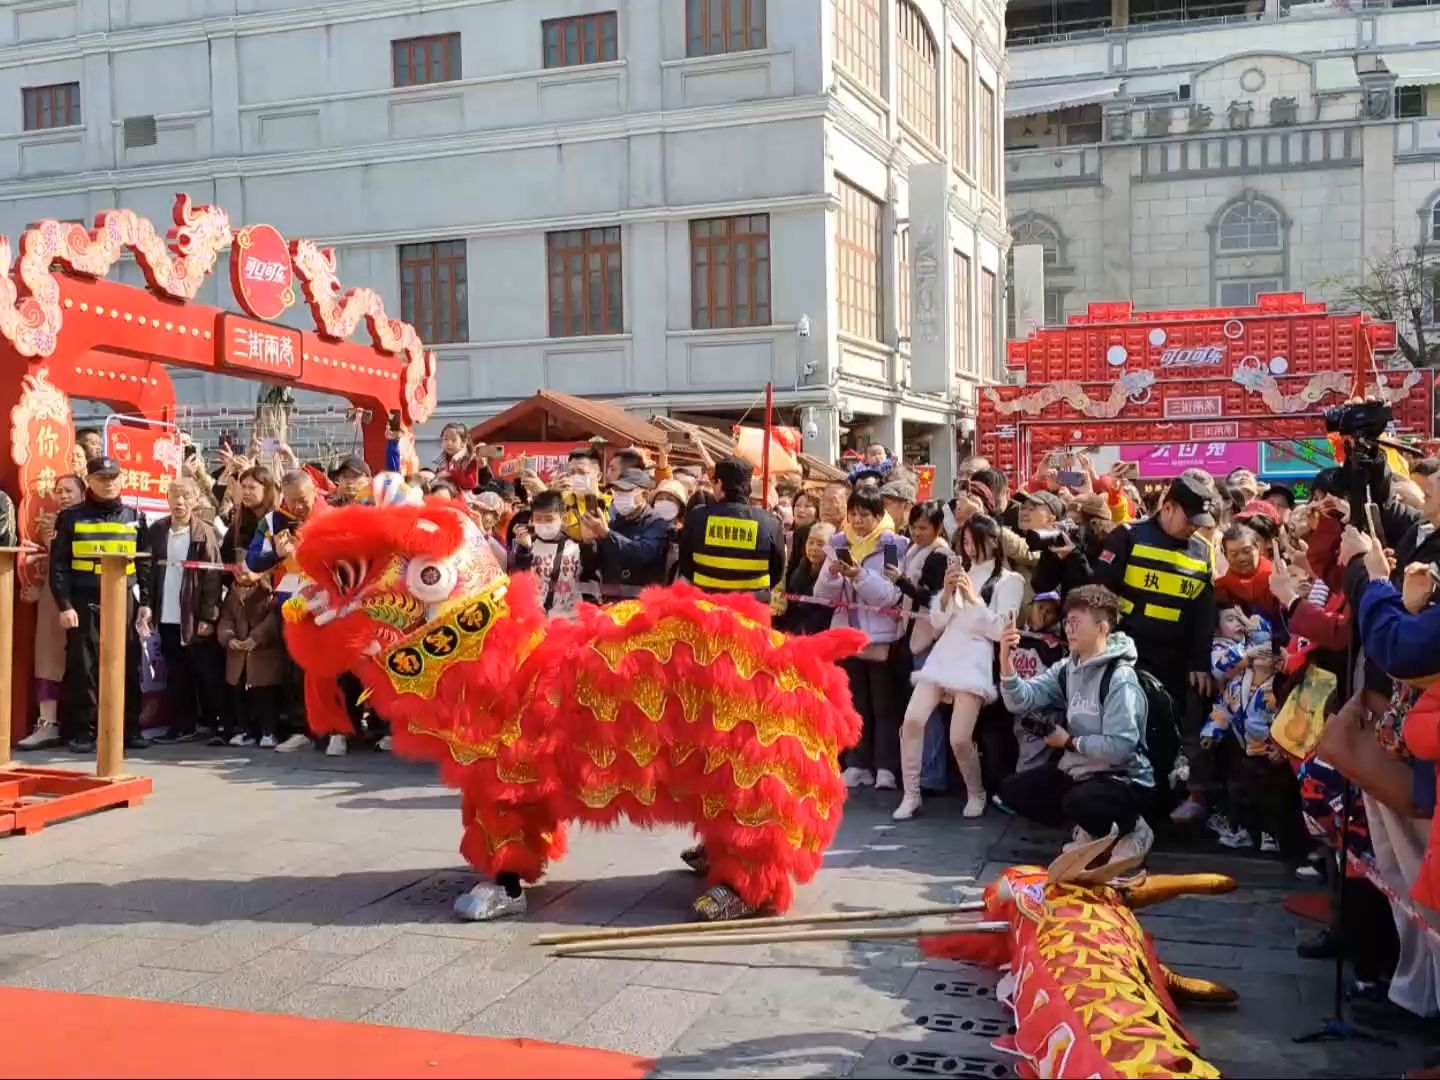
1078 839
908 808
1135 844
1268 844
487 901
384 743
242 740
1219 824
293 743
1307 873
43 737
885 780
267 742
975 805
854 777
337 746
1240 838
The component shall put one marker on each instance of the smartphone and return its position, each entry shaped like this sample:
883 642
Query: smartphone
1071 478
592 504
843 554
892 556
394 419
1434 572
1372 515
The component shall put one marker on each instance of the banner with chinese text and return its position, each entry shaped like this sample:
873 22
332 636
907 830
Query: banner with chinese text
148 453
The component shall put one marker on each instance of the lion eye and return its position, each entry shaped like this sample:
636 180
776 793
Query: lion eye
347 575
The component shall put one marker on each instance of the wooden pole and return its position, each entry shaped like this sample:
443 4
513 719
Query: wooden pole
700 941
7 647
114 615
607 933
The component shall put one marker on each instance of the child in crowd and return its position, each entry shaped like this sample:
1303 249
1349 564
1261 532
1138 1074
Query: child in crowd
249 632
1042 646
1242 659
543 548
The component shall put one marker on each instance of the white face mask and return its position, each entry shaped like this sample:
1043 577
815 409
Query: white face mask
548 531
666 510
624 501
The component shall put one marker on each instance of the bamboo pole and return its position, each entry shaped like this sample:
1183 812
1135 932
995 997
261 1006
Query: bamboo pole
114 612
618 932
7 647
685 941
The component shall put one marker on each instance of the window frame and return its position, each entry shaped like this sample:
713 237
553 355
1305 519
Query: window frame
601 28
35 101
1250 207
903 312
754 34
1251 283
860 43
1435 222
989 288
917 64
989 159
600 251
1416 96
860 268
962 156
744 242
964 288
415 47
424 311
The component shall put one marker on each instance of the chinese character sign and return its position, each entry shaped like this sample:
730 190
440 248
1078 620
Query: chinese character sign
261 274
42 440
149 458
1171 459
273 351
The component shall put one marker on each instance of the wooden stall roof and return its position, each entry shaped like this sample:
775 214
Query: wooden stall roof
553 416
720 443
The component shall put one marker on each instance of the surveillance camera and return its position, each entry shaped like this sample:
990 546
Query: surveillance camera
803 326
846 415
809 367
812 429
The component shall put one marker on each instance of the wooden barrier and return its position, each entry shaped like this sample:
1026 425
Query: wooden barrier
7 648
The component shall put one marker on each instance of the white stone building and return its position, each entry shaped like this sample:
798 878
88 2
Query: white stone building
667 203
1181 154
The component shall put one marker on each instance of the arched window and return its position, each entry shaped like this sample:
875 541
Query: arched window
858 42
1435 221
1249 226
1037 229
1034 231
919 62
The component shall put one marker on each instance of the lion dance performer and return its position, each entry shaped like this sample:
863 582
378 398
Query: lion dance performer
671 709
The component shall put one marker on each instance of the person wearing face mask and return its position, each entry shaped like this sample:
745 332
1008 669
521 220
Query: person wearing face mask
668 504
542 548
632 542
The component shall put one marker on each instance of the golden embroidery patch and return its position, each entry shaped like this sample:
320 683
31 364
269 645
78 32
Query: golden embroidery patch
415 665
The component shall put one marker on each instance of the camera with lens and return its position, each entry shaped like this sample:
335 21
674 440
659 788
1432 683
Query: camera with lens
1365 421
1061 534
1038 725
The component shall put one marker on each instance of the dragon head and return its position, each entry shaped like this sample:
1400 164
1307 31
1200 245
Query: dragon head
378 575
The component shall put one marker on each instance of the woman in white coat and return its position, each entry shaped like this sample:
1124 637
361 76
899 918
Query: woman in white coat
979 599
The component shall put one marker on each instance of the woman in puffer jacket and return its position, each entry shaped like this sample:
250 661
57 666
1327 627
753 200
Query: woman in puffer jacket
979 599
854 577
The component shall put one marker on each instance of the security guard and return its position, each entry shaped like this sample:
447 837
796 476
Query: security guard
99 524
730 546
1161 571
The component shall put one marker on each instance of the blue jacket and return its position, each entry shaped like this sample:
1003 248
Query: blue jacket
634 551
1401 644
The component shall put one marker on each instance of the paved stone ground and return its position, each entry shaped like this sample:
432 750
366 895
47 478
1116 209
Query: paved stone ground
322 887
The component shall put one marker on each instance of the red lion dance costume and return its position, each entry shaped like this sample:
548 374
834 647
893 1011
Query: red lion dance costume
673 709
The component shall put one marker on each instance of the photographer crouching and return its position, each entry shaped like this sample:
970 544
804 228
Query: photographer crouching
1062 564
1099 776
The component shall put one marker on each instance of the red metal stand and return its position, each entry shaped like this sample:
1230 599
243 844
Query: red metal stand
31 798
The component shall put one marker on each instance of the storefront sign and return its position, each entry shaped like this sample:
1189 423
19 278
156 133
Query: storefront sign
544 459
1189 408
1205 356
261 275
149 457
1295 457
1227 432
272 351
1216 458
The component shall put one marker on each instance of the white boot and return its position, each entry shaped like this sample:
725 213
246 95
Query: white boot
968 759
910 781
488 901
975 805
909 806
337 746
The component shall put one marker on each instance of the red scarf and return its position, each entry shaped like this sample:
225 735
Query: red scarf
1252 593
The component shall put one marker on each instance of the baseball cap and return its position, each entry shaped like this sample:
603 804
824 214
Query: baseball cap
633 480
1193 492
733 473
353 465
1054 597
1284 491
898 489
1259 508
1047 499
1094 506
674 489
103 466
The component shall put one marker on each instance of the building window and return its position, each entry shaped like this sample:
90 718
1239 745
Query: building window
1409 102
421 60
857 42
960 112
1435 221
580 39
1032 231
730 272
857 248
902 284
987 320
1249 226
433 296
1243 293
722 26
919 63
52 106
585 282
989 174
964 355
1433 294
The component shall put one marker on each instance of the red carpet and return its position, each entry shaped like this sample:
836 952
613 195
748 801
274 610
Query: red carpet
1314 906
81 1035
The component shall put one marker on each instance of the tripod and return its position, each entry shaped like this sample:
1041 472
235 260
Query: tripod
1336 1028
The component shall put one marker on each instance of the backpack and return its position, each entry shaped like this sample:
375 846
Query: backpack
1162 728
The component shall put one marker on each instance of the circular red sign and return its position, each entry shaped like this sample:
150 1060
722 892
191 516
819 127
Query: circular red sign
261 275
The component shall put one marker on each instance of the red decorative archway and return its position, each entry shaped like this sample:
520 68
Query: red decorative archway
66 330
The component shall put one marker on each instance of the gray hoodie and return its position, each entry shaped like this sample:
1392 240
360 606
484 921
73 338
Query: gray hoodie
1108 742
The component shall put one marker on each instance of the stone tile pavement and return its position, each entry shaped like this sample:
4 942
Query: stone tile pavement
322 887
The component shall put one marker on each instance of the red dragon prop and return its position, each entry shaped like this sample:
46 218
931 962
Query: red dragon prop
672 709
